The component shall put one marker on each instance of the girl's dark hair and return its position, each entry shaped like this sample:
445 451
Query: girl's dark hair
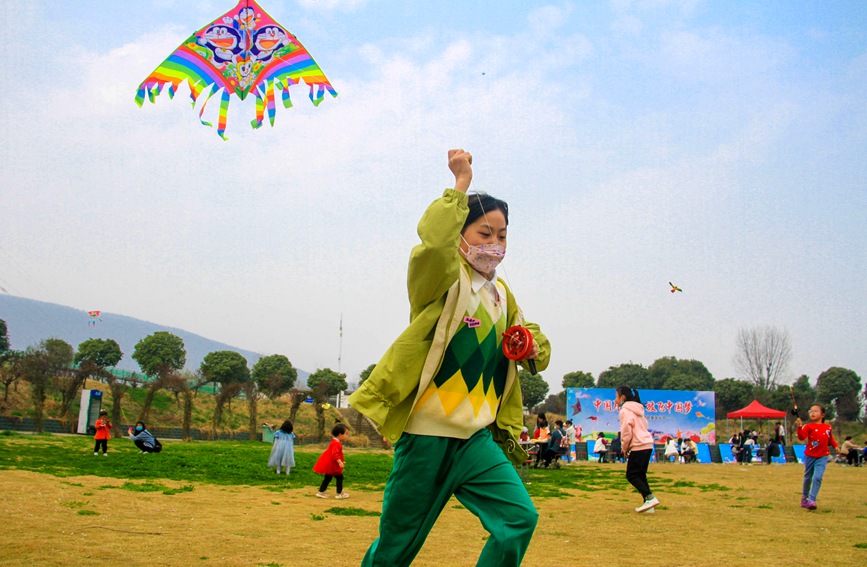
482 203
542 416
338 429
286 427
631 394
543 423
143 426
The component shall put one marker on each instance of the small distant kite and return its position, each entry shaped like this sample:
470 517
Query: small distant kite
674 288
593 418
699 414
243 51
94 317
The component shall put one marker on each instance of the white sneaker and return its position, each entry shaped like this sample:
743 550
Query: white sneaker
105 454
321 495
342 495
648 505
95 454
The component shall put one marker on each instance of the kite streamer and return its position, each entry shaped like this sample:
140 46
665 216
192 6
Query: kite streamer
243 51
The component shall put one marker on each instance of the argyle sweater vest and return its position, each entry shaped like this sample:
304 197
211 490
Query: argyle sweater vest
464 394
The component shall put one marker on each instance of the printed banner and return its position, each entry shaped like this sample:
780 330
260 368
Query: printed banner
669 413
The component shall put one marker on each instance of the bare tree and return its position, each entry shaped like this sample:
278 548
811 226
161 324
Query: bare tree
762 355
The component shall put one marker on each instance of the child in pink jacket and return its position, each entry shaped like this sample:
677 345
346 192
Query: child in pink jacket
637 444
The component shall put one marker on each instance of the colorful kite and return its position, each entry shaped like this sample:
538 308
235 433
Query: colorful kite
243 51
94 317
674 288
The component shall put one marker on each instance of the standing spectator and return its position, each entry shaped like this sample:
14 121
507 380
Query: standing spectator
779 434
103 433
570 435
331 463
283 450
601 446
615 448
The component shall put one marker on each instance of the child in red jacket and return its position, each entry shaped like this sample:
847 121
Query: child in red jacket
103 433
331 463
818 435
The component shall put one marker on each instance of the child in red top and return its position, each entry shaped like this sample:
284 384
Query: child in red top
103 433
818 435
331 463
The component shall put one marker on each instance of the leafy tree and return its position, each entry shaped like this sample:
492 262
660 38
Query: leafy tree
555 403
102 353
578 379
762 355
274 375
731 395
688 382
840 386
229 368
40 365
629 374
92 357
335 381
160 352
697 376
533 388
4 337
159 355
11 369
365 374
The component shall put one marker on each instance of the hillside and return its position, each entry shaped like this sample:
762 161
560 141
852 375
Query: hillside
30 321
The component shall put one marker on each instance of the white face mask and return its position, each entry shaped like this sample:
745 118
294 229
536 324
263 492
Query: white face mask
484 258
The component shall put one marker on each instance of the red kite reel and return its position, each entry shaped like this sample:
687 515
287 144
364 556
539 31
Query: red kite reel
518 344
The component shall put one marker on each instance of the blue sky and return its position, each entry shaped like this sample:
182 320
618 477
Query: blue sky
719 146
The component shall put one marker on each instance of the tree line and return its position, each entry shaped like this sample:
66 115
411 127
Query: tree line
54 366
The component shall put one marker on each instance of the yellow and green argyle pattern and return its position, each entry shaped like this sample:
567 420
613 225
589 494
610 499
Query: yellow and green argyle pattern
466 390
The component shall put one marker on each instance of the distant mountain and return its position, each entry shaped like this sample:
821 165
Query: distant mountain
29 321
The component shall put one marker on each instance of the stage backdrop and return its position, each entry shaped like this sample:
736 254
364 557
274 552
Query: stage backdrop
670 413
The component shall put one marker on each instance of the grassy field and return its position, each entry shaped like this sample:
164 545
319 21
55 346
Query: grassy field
215 503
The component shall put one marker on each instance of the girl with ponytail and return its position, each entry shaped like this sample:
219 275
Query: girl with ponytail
637 444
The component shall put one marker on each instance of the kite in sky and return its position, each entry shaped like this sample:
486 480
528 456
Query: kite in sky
674 288
94 317
243 51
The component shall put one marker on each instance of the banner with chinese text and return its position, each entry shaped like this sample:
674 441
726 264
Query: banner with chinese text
669 413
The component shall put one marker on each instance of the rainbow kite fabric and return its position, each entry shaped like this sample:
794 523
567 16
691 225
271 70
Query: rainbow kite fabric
243 51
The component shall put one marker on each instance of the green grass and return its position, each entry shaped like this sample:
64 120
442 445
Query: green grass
219 462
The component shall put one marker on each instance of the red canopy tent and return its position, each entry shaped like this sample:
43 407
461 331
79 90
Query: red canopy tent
756 411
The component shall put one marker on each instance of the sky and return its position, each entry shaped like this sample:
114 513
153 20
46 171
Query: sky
717 146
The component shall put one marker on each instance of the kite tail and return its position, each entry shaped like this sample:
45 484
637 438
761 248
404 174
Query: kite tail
284 88
224 109
269 98
210 93
260 109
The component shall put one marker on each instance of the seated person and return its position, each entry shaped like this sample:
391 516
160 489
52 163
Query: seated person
671 451
772 450
688 450
850 450
144 439
601 446
541 437
554 448
525 436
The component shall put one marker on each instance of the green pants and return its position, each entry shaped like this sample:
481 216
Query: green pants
426 472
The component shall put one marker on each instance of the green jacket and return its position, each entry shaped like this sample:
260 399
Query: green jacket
439 287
